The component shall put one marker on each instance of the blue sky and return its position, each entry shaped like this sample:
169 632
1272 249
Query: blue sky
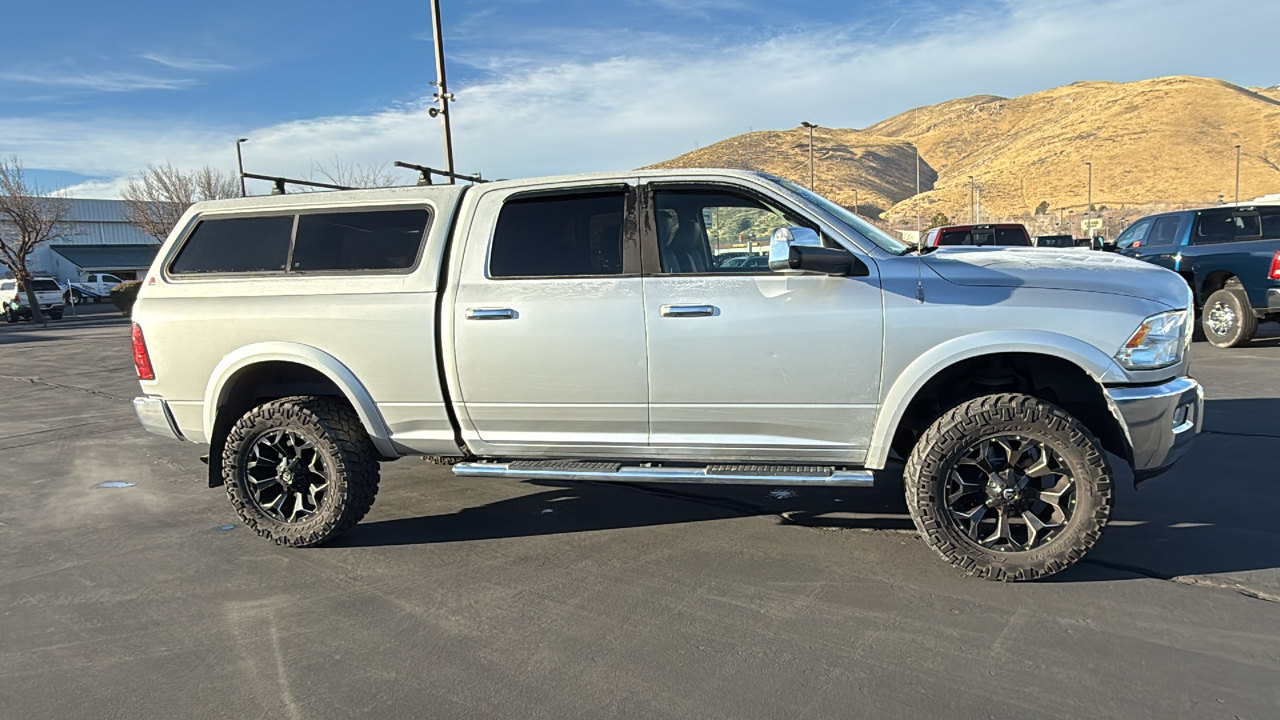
90 92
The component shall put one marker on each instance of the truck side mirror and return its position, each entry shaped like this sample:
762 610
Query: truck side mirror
795 248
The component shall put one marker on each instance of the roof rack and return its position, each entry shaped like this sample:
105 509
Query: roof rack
425 173
280 182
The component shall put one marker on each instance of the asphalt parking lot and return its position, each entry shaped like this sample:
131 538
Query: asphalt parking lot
129 588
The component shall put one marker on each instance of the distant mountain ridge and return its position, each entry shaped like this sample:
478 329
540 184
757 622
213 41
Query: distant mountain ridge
1167 139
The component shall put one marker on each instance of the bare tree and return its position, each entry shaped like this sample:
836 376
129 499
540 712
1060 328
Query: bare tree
353 174
156 200
29 217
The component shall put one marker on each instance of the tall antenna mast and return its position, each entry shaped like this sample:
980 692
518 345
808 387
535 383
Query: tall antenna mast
442 94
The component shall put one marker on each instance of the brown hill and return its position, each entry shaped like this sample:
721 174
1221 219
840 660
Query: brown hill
853 168
1164 140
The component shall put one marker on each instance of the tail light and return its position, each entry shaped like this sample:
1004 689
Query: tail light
1274 273
141 360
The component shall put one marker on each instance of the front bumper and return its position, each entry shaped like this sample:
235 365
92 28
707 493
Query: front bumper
153 413
1159 421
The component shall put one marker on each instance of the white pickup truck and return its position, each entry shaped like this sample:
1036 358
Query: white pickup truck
14 304
593 328
93 287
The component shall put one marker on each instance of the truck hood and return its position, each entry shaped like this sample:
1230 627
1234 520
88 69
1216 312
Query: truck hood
1060 270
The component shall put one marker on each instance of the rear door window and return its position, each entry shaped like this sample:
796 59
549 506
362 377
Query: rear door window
576 234
236 245
1164 231
370 241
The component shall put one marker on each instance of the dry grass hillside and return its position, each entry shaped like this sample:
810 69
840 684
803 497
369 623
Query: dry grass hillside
881 170
1168 140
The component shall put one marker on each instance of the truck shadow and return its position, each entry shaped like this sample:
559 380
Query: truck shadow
1213 513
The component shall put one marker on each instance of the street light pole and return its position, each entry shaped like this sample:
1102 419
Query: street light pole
855 201
811 126
240 164
972 207
917 193
442 94
1090 206
1237 174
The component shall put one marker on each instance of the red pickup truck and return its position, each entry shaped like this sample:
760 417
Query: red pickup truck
993 234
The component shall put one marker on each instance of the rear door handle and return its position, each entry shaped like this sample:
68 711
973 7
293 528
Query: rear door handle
687 310
490 314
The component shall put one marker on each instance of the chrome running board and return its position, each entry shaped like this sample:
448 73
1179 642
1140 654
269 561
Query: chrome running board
707 475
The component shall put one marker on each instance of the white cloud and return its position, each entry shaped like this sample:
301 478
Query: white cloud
103 81
633 110
191 64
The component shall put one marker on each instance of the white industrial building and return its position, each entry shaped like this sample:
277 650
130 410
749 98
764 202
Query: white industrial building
98 240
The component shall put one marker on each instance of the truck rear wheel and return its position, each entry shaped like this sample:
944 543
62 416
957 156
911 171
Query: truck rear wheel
1227 319
301 470
1009 487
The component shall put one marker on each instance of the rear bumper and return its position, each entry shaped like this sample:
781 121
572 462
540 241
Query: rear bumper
1160 422
153 413
1273 299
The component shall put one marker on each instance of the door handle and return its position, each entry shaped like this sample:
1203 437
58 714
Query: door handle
490 314
687 310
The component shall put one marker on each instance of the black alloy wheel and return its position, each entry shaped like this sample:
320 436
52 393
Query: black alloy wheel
300 470
1009 487
1010 493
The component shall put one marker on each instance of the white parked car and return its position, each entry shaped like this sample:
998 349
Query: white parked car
580 328
14 304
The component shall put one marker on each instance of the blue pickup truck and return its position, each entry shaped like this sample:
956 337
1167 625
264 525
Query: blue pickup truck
1230 255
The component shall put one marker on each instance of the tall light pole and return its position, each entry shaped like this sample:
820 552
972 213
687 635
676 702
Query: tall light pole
978 206
240 163
1089 208
442 94
855 201
972 206
811 126
1237 174
917 193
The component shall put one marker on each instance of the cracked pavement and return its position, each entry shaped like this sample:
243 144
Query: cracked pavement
497 598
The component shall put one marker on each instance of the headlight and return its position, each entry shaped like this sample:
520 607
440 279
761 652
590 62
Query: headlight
1158 342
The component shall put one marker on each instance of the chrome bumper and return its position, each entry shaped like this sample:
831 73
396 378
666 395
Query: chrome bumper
155 417
1160 422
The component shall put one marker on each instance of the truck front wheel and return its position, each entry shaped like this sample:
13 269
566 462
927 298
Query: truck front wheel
1009 487
300 470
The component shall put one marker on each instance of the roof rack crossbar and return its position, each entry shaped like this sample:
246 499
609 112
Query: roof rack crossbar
425 173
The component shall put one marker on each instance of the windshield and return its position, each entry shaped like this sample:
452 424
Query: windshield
864 228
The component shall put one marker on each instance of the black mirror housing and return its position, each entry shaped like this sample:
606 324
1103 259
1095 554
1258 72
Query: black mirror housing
828 261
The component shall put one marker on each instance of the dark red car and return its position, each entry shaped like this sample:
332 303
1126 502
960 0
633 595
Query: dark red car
996 234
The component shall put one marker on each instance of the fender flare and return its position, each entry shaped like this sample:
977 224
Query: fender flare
920 371
307 356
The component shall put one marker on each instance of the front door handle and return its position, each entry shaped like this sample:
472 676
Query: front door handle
490 314
687 310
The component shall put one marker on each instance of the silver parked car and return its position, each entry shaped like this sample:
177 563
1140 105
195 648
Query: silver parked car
581 328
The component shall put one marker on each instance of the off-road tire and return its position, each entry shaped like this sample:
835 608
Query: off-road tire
941 446
1242 329
349 459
